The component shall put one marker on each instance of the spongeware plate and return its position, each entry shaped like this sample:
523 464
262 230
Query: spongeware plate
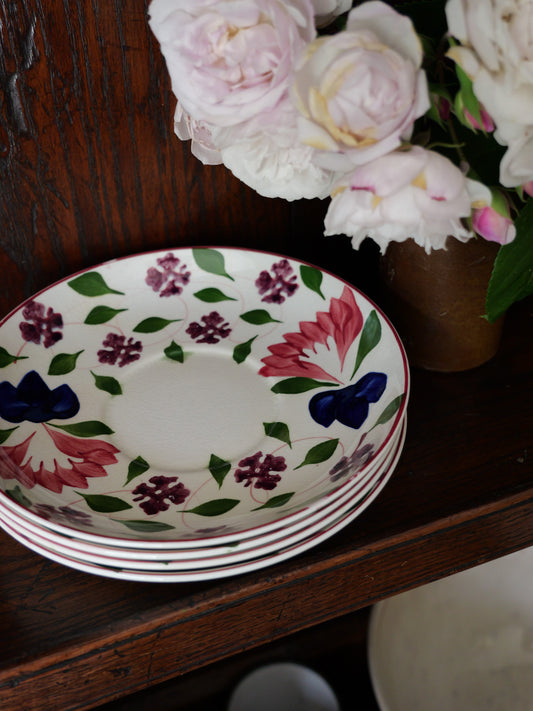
192 396
216 572
355 487
232 556
463 642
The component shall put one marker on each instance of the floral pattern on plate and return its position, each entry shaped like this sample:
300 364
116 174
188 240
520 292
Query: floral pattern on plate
162 392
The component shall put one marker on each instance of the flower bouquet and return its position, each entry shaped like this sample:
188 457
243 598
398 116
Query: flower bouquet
415 119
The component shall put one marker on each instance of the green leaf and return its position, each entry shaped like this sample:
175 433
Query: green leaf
136 467
258 317
153 324
63 363
243 350
145 526
279 430
104 504
469 99
4 434
512 276
312 278
91 284
320 453
212 295
17 495
389 412
101 314
276 501
6 358
300 385
175 352
370 337
89 428
210 260
107 383
218 468
216 507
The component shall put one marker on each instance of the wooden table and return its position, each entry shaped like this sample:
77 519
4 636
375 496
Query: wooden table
462 494
90 170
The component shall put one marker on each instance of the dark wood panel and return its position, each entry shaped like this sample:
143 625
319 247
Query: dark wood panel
90 168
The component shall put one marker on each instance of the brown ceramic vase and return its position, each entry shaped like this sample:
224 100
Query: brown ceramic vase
437 302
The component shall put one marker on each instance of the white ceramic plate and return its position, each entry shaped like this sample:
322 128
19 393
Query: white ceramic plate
357 486
193 394
190 560
463 642
216 572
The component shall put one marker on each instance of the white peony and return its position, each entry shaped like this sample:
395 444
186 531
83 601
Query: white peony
327 10
413 193
496 52
229 61
360 91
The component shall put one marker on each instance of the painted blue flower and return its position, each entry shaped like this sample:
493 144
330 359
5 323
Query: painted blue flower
33 400
348 405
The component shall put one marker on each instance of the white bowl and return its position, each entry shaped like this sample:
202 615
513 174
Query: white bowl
283 687
464 643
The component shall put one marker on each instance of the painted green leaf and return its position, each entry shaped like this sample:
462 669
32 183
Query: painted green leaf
136 467
17 495
276 501
370 337
175 352
512 276
218 468
101 314
4 434
153 324
300 385
320 453
243 350
104 504
312 278
146 526
6 358
279 430
258 317
107 383
389 412
63 363
215 507
212 295
89 428
210 260
91 284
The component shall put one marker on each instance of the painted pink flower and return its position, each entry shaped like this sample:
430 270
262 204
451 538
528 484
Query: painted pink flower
86 458
342 323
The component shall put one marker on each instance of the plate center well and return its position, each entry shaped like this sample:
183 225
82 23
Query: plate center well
176 415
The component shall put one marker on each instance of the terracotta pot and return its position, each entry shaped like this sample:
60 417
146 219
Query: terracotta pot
437 302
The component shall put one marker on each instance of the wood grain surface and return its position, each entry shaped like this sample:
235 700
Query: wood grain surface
90 170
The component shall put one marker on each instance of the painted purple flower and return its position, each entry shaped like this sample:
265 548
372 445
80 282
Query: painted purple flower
41 323
348 405
170 278
282 280
261 471
213 329
120 351
34 401
348 465
159 492
63 513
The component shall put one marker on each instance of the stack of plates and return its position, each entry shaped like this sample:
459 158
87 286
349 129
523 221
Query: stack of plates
192 414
